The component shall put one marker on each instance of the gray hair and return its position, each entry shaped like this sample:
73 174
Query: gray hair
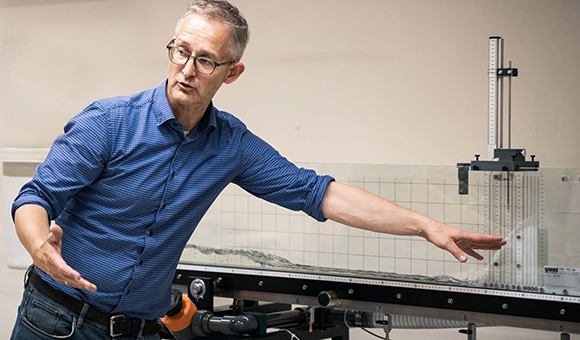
227 14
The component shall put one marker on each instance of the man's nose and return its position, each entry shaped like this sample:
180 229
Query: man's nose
189 68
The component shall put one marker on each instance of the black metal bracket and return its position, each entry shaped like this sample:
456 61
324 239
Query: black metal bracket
507 72
463 175
506 160
206 301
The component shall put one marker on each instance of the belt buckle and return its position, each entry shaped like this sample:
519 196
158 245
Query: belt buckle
112 325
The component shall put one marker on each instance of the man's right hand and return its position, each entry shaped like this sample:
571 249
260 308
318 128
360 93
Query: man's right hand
47 256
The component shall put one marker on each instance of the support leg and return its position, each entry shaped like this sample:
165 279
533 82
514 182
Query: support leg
471 335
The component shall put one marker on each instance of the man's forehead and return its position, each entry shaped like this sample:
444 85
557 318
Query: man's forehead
197 29
203 25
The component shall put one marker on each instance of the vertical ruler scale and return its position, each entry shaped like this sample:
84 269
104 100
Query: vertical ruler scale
520 193
494 138
496 222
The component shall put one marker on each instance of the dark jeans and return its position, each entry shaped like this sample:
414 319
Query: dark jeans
39 317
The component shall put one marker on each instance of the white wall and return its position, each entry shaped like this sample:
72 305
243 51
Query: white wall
326 81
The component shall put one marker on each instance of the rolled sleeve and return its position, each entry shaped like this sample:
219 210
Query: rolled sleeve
270 176
26 197
313 205
75 160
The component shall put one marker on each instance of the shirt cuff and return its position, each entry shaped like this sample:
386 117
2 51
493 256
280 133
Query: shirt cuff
313 205
31 199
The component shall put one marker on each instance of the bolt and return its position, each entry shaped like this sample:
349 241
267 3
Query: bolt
500 72
351 291
260 283
465 318
565 291
305 287
178 276
399 296
509 71
518 266
197 286
562 311
504 306
565 178
450 301
496 264
461 190
519 237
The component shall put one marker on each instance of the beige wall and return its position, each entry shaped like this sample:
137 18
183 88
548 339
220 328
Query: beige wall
326 81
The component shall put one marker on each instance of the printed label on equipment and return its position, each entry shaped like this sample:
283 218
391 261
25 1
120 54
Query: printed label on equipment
562 280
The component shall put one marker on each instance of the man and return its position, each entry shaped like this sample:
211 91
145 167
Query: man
132 176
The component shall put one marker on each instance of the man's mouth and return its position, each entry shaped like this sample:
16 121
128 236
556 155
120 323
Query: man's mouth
185 86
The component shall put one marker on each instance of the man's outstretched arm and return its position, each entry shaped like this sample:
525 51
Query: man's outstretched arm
358 208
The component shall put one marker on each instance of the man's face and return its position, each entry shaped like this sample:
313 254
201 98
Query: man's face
200 37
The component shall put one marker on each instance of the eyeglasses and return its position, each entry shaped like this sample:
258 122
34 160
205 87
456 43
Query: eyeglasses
178 56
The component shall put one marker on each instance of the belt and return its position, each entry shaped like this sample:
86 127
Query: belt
118 324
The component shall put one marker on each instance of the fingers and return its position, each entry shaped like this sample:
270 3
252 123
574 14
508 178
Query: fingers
455 251
70 277
484 247
52 263
473 253
486 239
80 283
461 243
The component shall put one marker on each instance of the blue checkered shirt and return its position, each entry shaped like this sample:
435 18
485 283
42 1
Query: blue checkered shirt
128 190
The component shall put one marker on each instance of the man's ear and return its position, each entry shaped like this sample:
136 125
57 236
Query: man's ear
235 72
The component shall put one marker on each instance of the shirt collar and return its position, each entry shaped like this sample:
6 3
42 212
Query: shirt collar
208 119
163 111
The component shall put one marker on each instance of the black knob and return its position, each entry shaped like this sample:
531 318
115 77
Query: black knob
176 302
328 299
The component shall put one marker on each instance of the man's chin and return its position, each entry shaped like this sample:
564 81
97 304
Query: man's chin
183 97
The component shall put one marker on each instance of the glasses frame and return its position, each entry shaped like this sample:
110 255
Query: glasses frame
170 47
